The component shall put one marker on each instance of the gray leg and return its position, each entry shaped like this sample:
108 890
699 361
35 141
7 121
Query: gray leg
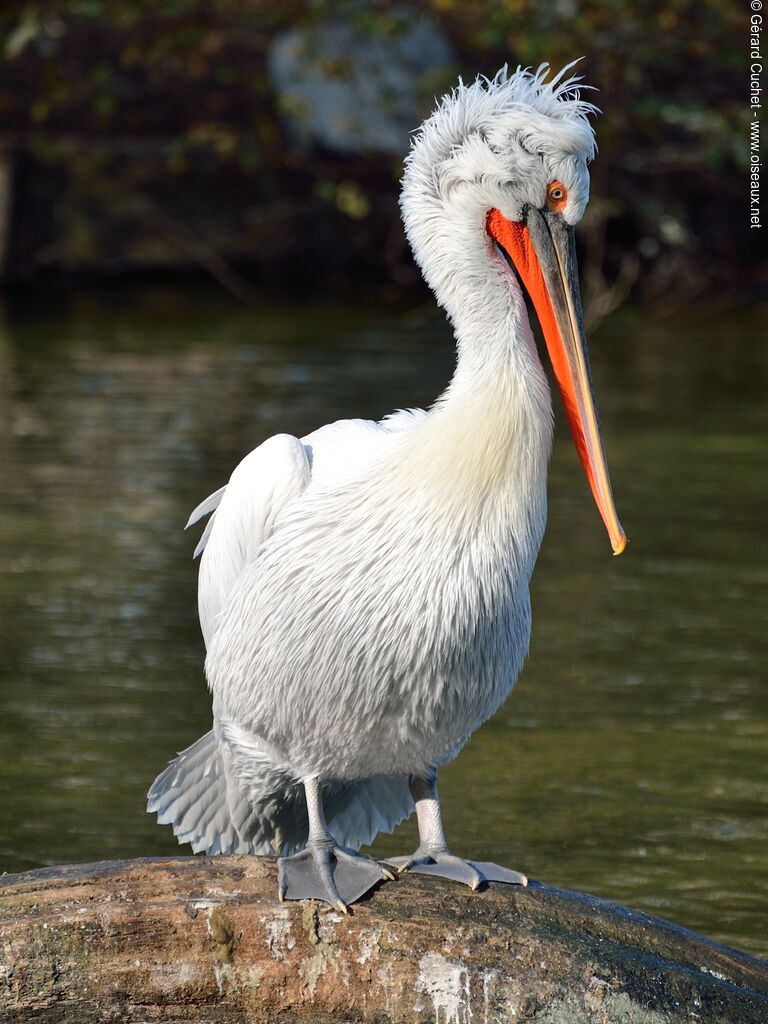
323 870
433 856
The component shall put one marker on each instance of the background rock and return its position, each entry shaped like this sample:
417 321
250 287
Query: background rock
352 92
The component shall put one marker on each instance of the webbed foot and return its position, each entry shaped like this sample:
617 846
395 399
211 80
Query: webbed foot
446 865
433 856
324 871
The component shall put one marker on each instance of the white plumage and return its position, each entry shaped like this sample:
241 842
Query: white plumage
363 591
202 793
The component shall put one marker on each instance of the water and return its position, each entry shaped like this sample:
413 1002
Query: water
631 760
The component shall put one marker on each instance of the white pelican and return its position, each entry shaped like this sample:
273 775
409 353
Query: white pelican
363 591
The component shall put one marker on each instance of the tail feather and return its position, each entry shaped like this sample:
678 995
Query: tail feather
362 809
218 811
249 820
205 823
191 795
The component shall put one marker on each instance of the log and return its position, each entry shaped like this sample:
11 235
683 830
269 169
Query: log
205 939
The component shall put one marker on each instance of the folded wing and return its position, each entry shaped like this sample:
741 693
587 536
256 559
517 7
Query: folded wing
244 512
243 515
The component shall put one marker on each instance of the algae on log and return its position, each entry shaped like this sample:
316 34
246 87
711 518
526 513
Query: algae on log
204 939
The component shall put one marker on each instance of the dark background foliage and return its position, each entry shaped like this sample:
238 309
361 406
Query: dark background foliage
142 135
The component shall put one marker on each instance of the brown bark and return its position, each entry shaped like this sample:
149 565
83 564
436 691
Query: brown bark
205 939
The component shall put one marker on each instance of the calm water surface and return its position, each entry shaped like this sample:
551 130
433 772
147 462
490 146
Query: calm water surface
632 759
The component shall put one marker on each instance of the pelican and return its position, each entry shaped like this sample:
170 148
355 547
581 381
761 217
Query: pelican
363 591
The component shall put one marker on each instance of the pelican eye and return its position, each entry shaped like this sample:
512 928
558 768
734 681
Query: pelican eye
557 194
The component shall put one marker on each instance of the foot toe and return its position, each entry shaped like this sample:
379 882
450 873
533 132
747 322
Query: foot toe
457 870
446 865
353 858
400 864
496 873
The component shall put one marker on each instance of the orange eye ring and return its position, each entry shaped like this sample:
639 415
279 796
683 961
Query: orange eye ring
557 195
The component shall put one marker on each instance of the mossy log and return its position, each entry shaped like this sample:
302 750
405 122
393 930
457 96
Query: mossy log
205 939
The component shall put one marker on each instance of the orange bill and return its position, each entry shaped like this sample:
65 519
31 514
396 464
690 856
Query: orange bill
542 251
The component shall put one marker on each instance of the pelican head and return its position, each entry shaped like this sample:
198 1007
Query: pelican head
494 184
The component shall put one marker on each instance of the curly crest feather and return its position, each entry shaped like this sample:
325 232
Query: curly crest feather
489 105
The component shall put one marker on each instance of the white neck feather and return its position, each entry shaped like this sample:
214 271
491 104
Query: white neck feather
485 445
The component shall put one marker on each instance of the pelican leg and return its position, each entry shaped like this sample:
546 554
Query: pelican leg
433 856
323 870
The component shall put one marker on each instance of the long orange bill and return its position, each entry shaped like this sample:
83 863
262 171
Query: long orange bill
543 252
